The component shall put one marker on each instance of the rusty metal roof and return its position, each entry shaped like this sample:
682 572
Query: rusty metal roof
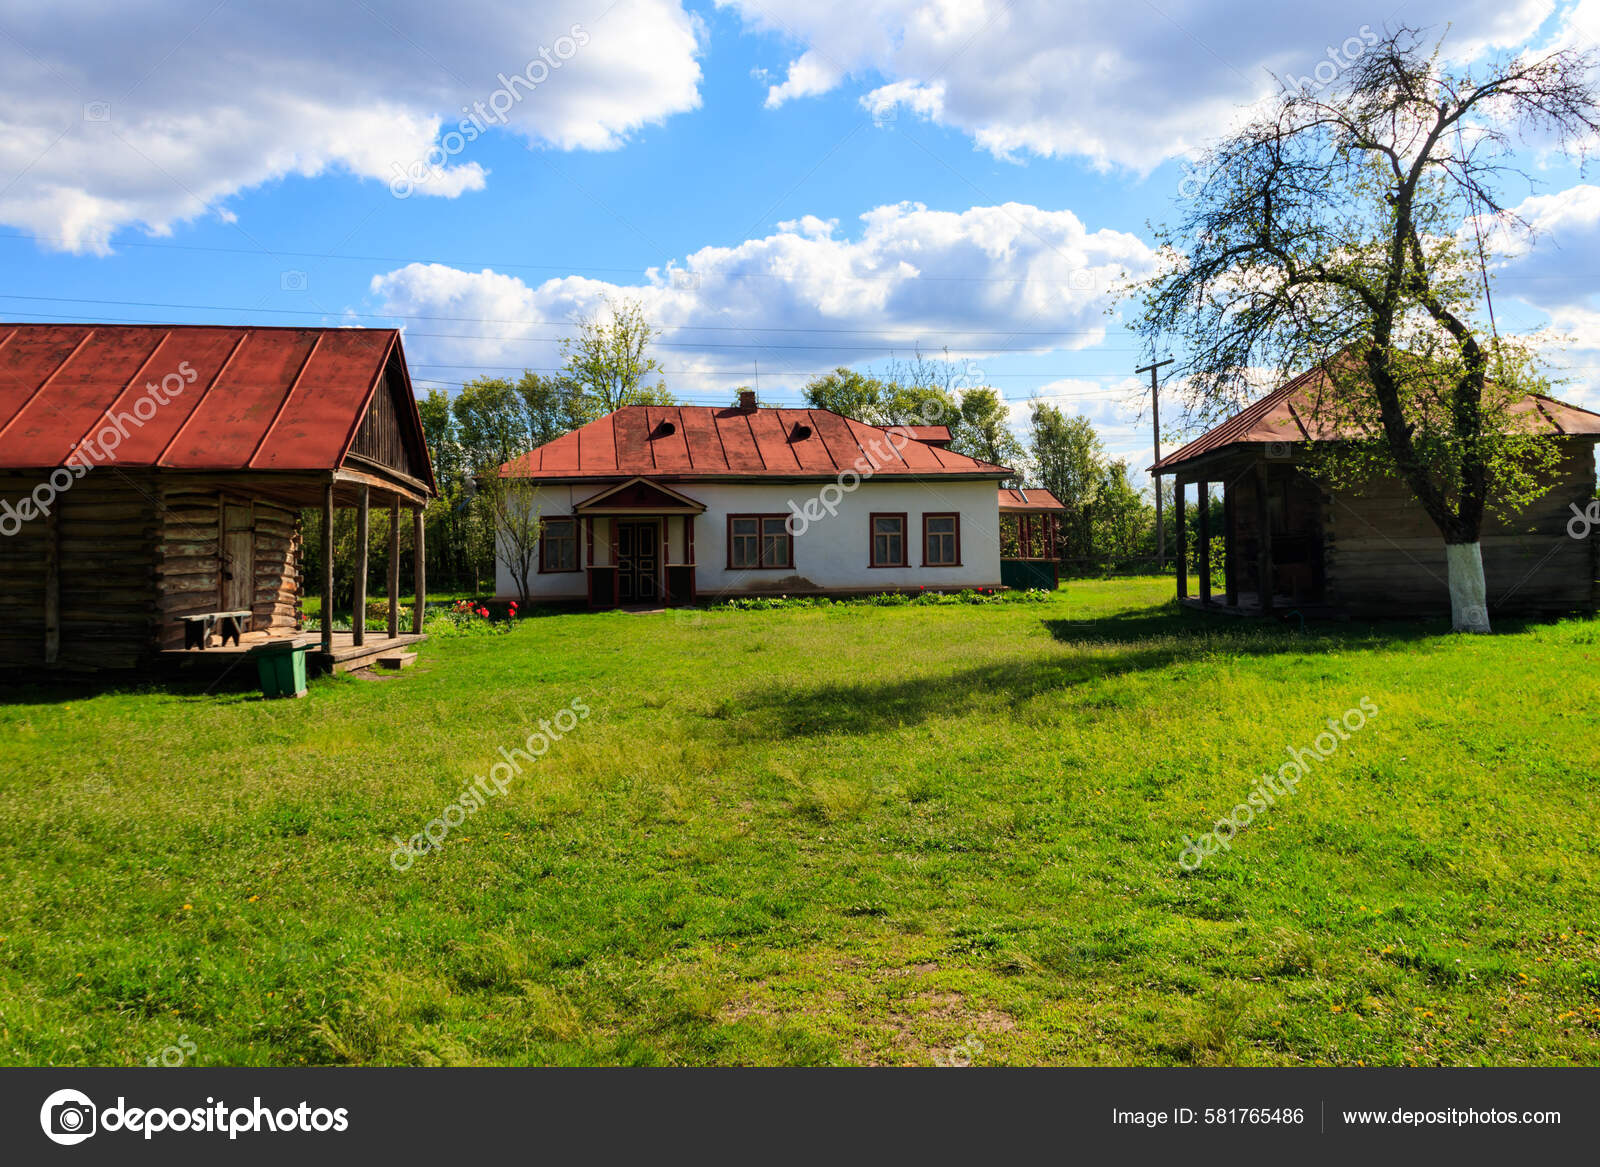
1028 498
934 435
243 399
1291 413
688 441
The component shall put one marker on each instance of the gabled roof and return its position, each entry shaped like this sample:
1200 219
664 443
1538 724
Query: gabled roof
689 442
1291 413
235 398
639 494
1030 498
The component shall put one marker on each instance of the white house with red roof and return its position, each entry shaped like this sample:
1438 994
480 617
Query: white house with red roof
666 504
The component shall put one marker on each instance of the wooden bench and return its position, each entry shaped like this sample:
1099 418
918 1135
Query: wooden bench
197 628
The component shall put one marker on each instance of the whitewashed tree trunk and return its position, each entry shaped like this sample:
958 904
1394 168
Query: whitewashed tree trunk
1469 595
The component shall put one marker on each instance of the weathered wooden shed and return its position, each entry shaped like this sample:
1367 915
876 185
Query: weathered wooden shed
1292 542
150 473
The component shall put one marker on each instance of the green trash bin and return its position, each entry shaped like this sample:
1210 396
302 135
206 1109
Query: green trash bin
282 665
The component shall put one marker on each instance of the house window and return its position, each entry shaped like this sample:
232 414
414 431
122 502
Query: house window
889 540
941 540
756 542
558 545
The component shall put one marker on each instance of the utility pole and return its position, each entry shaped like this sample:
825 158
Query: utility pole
1155 426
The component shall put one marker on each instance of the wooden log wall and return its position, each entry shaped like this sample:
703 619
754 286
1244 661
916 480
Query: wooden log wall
1385 555
95 606
190 561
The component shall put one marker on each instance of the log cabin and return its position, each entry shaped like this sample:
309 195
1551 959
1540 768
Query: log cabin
1368 549
152 479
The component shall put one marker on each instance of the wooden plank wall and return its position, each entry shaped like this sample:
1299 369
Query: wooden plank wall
383 437
105 527
190 558
1385 555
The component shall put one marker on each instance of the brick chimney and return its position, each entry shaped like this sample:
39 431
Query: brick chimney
747 400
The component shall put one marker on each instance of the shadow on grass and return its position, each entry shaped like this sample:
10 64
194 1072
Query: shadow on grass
1125 642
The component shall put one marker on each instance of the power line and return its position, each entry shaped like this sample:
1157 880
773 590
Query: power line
499 265
509 320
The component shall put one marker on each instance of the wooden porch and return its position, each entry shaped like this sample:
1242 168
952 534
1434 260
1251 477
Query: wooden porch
1272 533
344 654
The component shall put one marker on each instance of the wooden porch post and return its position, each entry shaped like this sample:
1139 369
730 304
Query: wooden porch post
1203 535
419 571
1230 567
327 568
358 610
1263 539
394 566
1179 544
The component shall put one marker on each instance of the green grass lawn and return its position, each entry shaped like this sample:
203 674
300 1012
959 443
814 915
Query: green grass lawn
831 835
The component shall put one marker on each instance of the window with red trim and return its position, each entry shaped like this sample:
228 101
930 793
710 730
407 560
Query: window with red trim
558 545
757 542
941 540
888 540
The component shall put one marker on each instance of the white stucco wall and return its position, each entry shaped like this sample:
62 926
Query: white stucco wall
831 553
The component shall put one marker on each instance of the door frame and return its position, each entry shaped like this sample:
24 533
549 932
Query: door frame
655 525
224 504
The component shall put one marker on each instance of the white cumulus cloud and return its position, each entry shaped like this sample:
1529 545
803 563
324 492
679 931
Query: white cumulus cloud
1009 278
151 114
1119 84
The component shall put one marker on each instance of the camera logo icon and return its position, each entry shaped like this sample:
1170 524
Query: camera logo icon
68 1117
292 281
97 111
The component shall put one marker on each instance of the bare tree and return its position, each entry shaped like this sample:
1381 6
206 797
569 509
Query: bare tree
516 507
1351 227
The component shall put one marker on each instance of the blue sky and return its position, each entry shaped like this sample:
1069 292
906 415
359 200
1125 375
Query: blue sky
785 185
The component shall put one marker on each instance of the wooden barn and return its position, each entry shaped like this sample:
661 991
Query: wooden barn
152 479
1291 543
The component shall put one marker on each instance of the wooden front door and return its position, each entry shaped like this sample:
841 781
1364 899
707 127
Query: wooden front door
238 557
638 561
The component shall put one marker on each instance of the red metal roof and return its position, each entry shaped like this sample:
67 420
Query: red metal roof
1030 498
1291 413
250 398
696 441
935 435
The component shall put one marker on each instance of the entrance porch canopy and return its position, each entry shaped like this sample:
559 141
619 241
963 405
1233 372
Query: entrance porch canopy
637 572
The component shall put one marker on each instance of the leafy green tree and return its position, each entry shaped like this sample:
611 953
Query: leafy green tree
609 359
1337 229
1120 516
1068 461
848 392
985 431
492 423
